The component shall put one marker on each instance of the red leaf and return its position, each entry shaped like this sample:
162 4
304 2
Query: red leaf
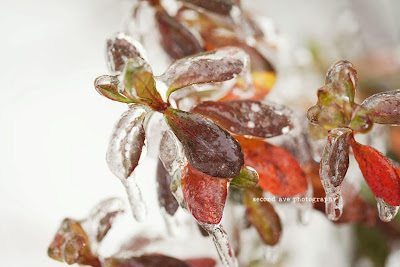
204 195
222 7
280 173
201 262
379 173
154 260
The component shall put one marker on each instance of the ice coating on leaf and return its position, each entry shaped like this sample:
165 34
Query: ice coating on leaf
139 83
247 117
386 212
108 86
101 219
222 7
71 245
345 76
262 216
176 39
224 248
144 260
279 172
209 148
361 121
171 152
379 173
165 197
384 108
126 142
247 178
119 48
214 66
125 149
333 169
204 195
272 253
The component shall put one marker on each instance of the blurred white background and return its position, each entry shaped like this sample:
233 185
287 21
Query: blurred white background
54 127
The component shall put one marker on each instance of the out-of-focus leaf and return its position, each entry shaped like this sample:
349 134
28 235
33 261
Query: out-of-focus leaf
204 195
139 83
247 178
71 245
108 86
222 7
379 173
102 217
165 197
335 158
154 260
345 76
247 117
176 40
209 148
119 48
214 66
126 142
384 108
262 216
201 262
279 172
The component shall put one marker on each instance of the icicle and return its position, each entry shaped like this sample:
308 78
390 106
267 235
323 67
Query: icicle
386 212
304 208
272 253
220 238
135 198
334 204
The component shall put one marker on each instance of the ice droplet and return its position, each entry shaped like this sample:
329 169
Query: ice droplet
271 253
220 238
334 204
135 198
386 212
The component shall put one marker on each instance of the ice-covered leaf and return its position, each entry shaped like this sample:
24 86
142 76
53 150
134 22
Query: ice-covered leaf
222 7
126 142
344 75
379 173
262 216
139 83
214 66
279 172
247 117
384 108
247 178
71 245
208 147
204 195
119 48
155 260
176 39
102 217
165 197
335 158
361 121
108 86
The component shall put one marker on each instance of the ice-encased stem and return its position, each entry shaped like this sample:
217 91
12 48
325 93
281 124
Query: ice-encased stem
386 211
135 198
220 238
304 208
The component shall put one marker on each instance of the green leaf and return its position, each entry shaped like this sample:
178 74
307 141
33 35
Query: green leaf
209 148
262 216
108 86
247 178
139 83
